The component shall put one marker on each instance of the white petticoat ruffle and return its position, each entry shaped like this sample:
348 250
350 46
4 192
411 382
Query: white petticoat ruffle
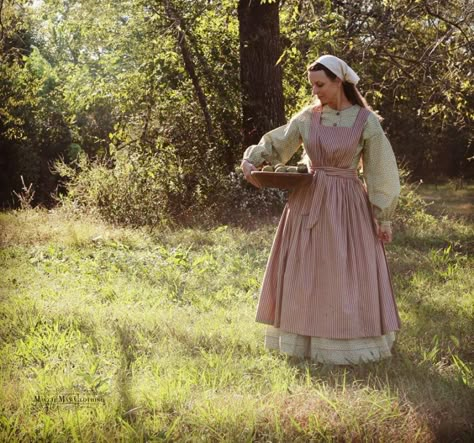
330 351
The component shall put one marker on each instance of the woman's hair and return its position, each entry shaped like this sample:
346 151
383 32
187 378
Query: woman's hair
350 90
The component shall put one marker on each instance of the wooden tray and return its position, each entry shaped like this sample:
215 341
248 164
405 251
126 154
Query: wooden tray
282 180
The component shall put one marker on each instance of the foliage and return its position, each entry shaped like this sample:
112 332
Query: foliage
136 191
143 188
33 125
411 208
105 77
411 57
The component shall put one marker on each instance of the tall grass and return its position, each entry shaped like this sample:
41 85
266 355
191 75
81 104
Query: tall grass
156 330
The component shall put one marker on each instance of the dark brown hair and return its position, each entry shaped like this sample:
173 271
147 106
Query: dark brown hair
350 90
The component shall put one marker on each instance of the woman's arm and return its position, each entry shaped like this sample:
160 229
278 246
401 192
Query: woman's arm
276 146
381 175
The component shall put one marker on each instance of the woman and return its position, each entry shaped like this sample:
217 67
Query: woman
327 293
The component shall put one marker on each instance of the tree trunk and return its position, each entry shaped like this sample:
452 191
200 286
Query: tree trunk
260 77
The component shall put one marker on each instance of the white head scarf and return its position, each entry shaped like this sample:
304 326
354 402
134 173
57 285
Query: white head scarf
339 67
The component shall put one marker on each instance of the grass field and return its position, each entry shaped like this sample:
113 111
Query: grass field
445 199
111 334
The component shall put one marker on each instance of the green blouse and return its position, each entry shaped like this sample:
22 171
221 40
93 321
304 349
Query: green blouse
380 170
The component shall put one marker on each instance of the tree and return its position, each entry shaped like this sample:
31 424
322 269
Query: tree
412 57
260 74
136 83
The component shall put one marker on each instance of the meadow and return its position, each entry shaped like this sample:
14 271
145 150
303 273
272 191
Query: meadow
116 334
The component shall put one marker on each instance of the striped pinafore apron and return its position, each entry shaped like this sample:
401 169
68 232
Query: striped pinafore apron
326 291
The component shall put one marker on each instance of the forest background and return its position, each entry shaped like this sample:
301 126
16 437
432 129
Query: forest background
136 290
139 110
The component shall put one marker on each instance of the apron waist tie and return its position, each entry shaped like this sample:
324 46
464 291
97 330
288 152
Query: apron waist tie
320 174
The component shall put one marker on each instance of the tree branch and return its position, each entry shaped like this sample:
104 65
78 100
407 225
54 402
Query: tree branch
189 64
1 22
445 20
394 61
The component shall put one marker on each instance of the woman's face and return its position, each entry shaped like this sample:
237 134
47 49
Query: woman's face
326 89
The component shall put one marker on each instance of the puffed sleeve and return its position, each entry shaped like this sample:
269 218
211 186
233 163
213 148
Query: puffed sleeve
276 146
380 171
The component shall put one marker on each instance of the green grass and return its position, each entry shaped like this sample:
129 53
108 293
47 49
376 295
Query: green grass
450 198
157 330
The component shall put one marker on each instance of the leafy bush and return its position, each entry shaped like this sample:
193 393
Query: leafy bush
411 209
142 188
33 125
134 188
238 202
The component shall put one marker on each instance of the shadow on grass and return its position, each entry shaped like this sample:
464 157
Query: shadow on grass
449 199
126 343
446 404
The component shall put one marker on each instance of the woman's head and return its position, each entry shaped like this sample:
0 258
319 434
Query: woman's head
332 79
325 84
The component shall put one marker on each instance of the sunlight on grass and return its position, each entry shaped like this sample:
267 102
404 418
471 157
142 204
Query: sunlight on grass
157 330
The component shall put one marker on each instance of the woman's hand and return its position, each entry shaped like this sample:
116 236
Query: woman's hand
247 168
384 232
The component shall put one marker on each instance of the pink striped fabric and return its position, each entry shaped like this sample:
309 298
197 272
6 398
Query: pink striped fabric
327 273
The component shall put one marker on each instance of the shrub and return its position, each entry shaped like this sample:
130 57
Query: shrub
132 188
238 202
411 209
